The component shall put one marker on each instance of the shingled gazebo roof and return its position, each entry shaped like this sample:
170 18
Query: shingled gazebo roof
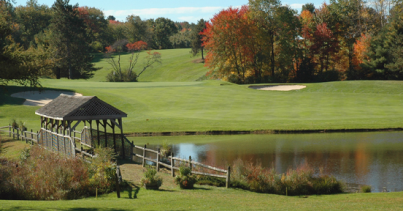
67 107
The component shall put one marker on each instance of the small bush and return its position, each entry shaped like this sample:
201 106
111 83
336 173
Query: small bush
122 76
166 149
366 189
150 179
294 182
208 180
44 175
185 180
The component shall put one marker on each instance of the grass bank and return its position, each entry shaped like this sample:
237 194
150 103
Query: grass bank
212 198
221 106
177 65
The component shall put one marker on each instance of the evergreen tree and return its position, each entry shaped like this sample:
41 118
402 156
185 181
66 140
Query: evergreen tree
196 41
70 41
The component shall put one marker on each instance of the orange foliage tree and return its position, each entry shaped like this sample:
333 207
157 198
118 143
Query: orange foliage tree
232 46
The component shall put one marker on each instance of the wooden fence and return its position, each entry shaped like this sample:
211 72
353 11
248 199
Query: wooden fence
23 135
35 138
172 166
50 140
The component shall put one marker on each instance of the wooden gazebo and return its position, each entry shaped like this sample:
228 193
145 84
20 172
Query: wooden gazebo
66 112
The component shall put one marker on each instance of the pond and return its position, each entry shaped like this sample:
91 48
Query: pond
370 158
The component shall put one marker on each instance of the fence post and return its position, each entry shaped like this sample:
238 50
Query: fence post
172 165
24 136
227 184
132 151
9 130
158 159
190 163
118 181
144 155
37 137
32 138
13 133
18 134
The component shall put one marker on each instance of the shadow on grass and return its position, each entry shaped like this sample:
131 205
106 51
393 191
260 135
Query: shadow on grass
74 209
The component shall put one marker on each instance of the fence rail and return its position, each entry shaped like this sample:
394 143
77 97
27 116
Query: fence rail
172 166
35 138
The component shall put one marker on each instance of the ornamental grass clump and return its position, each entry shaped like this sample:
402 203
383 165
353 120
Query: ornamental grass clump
300 181
44 175
185 180
150 180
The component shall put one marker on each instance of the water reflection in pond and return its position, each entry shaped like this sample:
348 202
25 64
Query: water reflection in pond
372 158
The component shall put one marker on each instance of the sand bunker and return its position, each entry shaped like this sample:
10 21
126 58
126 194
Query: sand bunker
36 98
278 87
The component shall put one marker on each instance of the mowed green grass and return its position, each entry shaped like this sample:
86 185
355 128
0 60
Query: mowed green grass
177 65
212 198
216 105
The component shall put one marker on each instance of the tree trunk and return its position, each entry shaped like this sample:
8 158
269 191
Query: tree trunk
68 59
202 53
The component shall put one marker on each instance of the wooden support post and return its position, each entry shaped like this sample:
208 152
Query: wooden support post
32 138
18 134
114 138
106 135
99 141
13 133
144 155
227 182
172 165
190 163
121 133
158 159
9 130
132 151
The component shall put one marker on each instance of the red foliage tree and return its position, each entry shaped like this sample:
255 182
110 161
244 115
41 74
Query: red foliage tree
137 46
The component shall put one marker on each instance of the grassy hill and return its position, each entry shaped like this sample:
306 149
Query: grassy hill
216 105
177 65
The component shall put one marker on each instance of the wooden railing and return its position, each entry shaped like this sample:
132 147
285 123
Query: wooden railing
189 162
18 134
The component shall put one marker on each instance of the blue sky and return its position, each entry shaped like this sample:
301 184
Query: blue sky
176 10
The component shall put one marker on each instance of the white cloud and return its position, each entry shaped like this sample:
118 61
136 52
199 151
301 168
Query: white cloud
296 6
159 12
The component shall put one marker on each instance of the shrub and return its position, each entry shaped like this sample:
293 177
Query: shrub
366 189
294 182
208 180
185 180
44 175
150 180
122 76
165 149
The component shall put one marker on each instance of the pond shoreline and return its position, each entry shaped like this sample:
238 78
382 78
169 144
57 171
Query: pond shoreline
240 132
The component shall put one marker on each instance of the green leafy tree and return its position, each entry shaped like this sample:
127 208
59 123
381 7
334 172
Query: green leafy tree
32 19
196 39
71 42
17 65
163 29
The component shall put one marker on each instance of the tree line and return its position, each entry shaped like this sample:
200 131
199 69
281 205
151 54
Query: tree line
266 41
60 41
